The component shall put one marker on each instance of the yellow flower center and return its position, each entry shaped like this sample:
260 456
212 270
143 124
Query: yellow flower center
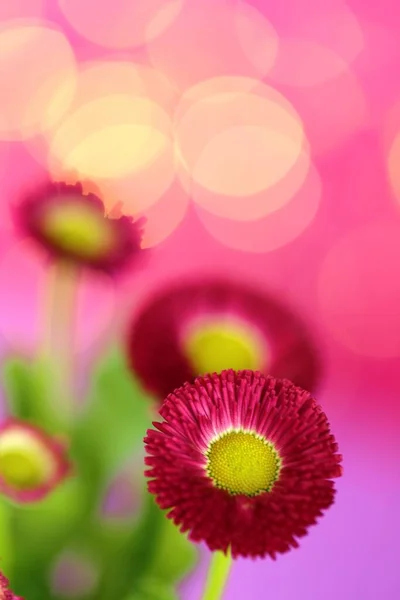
213 347
243 462
78 228
24 463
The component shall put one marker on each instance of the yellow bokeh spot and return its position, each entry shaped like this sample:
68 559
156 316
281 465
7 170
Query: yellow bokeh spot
243 462
227 131
133 148
111 137
217 346
24 464
233 162
37 85
80 229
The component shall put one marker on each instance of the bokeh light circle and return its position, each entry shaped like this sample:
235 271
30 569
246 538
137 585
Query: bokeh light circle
111 137
244 160
117 133
211 39
276 229
336 27
37 78
393 164
314 62
99 78
73 575
120 24
163 217
236 138
331 111
21 9
254 206
359 290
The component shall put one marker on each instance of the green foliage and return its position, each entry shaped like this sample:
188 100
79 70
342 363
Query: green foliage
175 555
155 553
151 589
29 388
115 418
6 537
146 558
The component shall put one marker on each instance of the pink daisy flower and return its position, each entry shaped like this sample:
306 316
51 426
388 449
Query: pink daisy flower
242 462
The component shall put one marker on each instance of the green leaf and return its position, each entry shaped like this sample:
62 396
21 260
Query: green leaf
151 555
151 589
39 532
176 555
6 539
131 564
41 529
115 417
155 551
29 388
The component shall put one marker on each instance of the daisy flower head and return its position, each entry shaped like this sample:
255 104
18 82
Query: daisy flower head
32 463
210 325
243 462
72 225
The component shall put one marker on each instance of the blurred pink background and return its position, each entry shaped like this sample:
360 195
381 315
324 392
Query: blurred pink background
260 139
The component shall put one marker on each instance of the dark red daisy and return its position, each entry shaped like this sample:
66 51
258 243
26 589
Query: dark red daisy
32 463
73 226
5 592
243 462
211 325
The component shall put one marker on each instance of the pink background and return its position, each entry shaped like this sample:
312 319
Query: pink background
331 247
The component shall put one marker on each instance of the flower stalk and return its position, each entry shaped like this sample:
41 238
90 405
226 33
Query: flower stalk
58 344
217 577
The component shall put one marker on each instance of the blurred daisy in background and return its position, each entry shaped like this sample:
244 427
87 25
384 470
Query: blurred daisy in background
210 325
73 227
32 463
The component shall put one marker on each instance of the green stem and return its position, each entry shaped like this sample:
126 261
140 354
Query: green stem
217 576
136 555
58 343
